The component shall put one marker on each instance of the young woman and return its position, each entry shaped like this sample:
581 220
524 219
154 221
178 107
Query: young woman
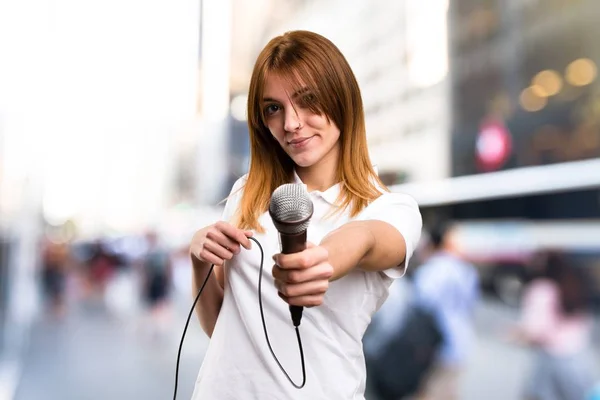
306 125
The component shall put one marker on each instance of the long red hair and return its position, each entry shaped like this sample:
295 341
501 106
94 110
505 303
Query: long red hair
307 60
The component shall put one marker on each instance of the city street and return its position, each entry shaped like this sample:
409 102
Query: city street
455 142
96 355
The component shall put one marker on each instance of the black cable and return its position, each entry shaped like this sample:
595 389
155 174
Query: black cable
186 326
262 315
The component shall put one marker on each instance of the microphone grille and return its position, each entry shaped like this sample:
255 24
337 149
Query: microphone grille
291 208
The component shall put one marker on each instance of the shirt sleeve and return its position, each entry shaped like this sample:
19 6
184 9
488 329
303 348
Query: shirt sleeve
233 200
402 212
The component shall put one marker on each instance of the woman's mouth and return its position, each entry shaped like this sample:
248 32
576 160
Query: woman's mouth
300 142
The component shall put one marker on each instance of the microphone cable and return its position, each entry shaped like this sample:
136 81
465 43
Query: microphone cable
262 316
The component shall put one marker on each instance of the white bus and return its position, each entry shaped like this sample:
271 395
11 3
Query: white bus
504 218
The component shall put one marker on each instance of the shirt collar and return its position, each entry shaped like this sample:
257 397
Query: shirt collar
330 195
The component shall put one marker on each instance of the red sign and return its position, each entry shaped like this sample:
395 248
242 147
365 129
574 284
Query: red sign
493 146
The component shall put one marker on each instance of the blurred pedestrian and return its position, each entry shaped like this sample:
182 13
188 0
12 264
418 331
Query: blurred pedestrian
556 321
101 267
156 277
182 273
54 265
400 346
447 286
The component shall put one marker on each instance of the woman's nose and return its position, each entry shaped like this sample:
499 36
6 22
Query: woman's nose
292 120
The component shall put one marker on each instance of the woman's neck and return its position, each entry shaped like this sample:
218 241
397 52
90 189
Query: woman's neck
323 174
318 178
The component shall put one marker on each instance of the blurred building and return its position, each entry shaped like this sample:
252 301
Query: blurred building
525 93
524 87
91 96
525 134
20 179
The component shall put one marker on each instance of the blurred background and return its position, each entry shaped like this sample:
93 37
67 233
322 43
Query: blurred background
122 127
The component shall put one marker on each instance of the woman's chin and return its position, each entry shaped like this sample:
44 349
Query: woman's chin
303 161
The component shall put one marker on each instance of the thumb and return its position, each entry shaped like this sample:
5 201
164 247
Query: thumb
246 242
310 245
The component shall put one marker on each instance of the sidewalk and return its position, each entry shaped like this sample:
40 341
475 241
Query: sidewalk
9 377
97 355
22 302
101 353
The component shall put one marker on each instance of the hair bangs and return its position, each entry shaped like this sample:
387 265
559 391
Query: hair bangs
305 90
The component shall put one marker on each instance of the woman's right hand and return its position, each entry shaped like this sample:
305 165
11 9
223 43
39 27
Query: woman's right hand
218 242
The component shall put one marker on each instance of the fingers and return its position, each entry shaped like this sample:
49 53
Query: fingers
235 234
219 238
303 287
294 276
303 301
219 251
313 255
312 288
219 242
302 279
209 257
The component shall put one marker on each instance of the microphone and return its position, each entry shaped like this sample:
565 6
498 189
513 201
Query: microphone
291 209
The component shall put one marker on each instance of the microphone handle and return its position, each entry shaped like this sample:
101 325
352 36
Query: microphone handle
293 244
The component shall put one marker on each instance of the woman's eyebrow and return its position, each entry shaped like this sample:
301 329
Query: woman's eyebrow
295 95
300 91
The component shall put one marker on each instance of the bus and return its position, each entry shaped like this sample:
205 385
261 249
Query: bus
505 218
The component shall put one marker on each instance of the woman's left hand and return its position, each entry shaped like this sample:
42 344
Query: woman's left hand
303 278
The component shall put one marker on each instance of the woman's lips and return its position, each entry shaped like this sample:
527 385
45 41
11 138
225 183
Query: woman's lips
299 143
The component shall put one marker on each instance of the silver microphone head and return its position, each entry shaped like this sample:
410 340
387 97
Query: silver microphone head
291 208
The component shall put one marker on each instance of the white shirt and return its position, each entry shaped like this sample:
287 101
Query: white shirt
238 364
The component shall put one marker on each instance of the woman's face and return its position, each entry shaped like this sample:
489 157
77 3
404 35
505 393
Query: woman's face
308 138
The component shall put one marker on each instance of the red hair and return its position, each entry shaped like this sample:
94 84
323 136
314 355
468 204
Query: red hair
307 60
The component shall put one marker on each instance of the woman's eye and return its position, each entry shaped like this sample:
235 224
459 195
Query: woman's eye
271 109
309 101
308 98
